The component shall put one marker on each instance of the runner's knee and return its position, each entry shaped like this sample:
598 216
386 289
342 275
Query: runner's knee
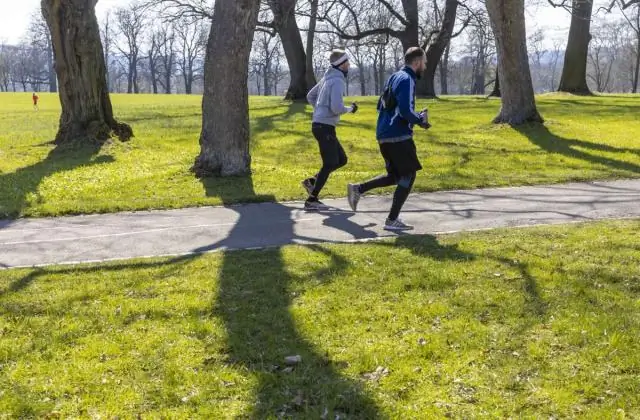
335 164
406 181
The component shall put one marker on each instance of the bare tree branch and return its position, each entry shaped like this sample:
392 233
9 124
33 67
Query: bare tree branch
174 10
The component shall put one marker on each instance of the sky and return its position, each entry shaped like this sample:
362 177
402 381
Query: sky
15 14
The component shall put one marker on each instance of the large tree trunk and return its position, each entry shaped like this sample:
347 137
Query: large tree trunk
436 50
87 115
287 27
410 36
313 20
224 142
574 72
518 100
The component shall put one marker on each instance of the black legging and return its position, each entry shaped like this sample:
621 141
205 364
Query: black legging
403 189
333 155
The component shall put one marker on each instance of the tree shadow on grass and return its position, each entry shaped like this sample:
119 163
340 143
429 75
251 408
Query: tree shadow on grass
278 122
17 187
268 122
254 302
160 116
540 135
428 246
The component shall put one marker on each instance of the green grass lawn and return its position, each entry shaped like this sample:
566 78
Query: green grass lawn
584 139
540 323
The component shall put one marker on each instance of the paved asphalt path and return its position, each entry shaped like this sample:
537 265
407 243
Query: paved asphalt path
65 240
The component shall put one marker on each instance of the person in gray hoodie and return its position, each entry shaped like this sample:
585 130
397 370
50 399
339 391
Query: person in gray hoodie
328 105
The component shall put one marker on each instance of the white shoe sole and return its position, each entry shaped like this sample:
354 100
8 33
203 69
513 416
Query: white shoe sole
397 229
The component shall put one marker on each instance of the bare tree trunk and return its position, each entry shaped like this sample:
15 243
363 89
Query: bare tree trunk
265 75
287 27
495 93
636 73
259 84
130 79
153 71
224 142
410 36
376 81
479 82
518 100
154 76
436 50
444 71
313 20
382 65
87 115
187 75
554 71
574 72
479 73
53 78
168 58
167 80
136 85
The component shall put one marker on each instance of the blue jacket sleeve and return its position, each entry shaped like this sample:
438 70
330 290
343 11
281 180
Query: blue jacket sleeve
404 96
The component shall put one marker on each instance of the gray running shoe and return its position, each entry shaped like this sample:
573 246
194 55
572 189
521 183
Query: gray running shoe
353 195
315 205
396 226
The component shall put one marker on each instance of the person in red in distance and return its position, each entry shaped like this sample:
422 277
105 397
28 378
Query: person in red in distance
35 98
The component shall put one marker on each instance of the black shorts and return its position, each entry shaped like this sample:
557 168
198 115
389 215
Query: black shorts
401 158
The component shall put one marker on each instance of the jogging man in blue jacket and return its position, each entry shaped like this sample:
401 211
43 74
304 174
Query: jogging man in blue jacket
394 132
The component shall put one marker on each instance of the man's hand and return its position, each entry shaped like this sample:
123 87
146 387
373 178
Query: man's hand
425 119
354 108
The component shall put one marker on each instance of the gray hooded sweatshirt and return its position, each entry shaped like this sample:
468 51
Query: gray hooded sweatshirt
326 98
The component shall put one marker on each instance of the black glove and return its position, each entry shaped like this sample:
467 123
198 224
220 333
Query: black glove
354 108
